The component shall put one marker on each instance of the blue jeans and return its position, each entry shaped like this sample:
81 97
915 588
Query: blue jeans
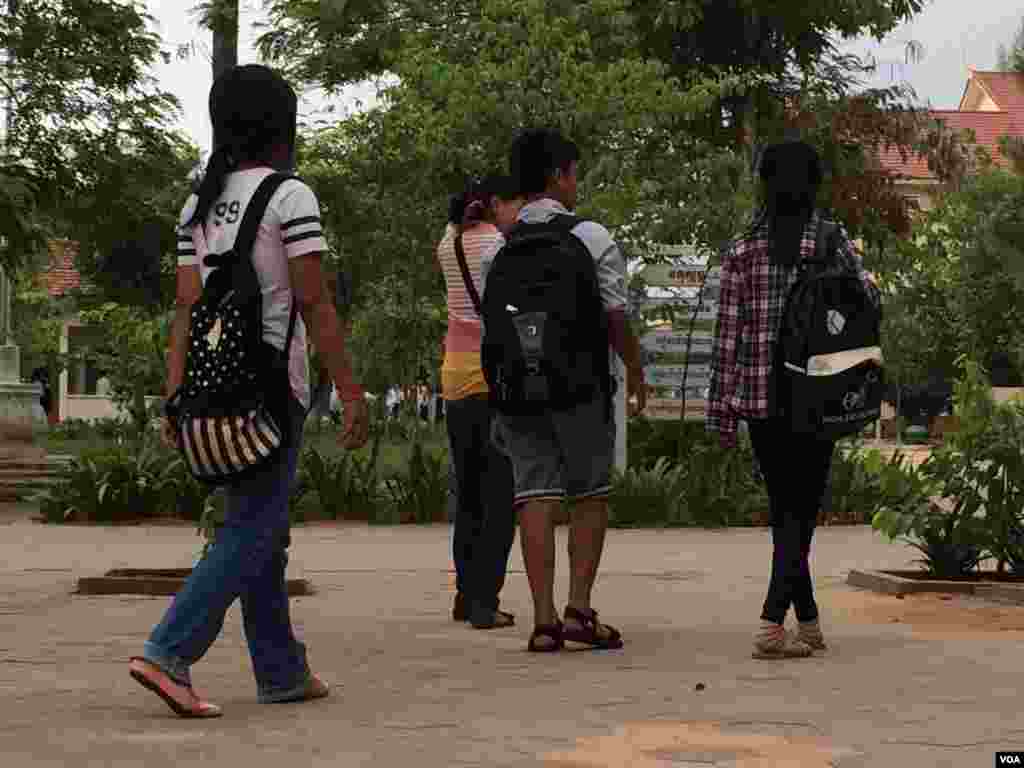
247 561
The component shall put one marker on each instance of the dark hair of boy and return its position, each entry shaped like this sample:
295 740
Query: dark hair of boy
254 113
537 154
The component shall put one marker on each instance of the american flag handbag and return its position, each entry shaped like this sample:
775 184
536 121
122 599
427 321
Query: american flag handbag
228 412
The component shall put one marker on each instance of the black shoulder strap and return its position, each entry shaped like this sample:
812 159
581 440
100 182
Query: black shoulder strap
460 254
247 230
246 238
824 242
566 221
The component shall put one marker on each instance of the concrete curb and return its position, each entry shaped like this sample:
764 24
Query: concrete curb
894 584
891 584
1002 593
159 583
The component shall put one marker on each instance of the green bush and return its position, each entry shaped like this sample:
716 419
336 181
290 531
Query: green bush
720 487
109 484
863 481
648 440
211 518
648 497
419 494
952 542
716 486
979 471
107 429
346 486
185 496
72 429
986 464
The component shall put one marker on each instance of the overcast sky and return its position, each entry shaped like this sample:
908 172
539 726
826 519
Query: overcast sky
954 35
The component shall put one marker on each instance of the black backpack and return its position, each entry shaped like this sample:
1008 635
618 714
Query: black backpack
827 375
545 342
231 412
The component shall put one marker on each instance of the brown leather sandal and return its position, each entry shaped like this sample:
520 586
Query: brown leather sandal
552 631
588 633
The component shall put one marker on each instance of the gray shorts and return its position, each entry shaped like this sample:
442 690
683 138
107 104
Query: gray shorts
559 453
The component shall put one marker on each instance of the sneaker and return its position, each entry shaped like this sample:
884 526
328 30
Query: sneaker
773 642
809 632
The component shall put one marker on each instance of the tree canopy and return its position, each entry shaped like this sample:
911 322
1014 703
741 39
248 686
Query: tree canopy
1011 59
669 101
90 154
958 285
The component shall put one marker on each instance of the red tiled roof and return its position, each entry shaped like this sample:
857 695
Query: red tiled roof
62 275
1006 90
987 127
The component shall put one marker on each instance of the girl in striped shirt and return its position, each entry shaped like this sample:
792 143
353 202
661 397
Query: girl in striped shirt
485 519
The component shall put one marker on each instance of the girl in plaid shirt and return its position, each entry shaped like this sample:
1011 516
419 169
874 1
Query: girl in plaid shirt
758 272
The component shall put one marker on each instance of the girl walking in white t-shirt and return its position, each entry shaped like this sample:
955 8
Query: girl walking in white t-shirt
253 111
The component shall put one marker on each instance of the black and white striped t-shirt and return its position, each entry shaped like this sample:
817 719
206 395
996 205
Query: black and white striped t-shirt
290 228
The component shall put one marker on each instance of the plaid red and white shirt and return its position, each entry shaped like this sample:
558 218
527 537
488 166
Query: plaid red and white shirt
753 299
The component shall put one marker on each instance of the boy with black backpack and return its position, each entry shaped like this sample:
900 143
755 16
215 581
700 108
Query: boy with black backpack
797 356
554 298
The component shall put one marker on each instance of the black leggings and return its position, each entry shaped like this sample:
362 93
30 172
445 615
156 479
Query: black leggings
485 521
795 469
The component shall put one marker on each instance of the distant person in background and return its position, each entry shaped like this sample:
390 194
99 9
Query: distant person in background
484 516
392 400
41 376
438 407
423 402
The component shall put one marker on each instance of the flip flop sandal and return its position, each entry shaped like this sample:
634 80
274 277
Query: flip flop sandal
182 699
588 632
552 631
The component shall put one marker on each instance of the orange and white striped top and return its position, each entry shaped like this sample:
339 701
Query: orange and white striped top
461 374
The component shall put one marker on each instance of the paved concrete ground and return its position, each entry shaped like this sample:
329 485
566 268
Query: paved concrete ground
915 682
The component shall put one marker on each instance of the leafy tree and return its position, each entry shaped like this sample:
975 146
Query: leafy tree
382 235
36 319
959 285
667 117
725 98
131 354
88 126
1012 59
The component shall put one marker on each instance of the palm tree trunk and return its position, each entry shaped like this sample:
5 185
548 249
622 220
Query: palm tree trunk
222 20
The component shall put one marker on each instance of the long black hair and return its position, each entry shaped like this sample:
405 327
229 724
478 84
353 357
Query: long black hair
252 109
791 175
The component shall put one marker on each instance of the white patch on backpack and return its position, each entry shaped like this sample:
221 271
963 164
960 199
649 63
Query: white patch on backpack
835 322
854 399
213 337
